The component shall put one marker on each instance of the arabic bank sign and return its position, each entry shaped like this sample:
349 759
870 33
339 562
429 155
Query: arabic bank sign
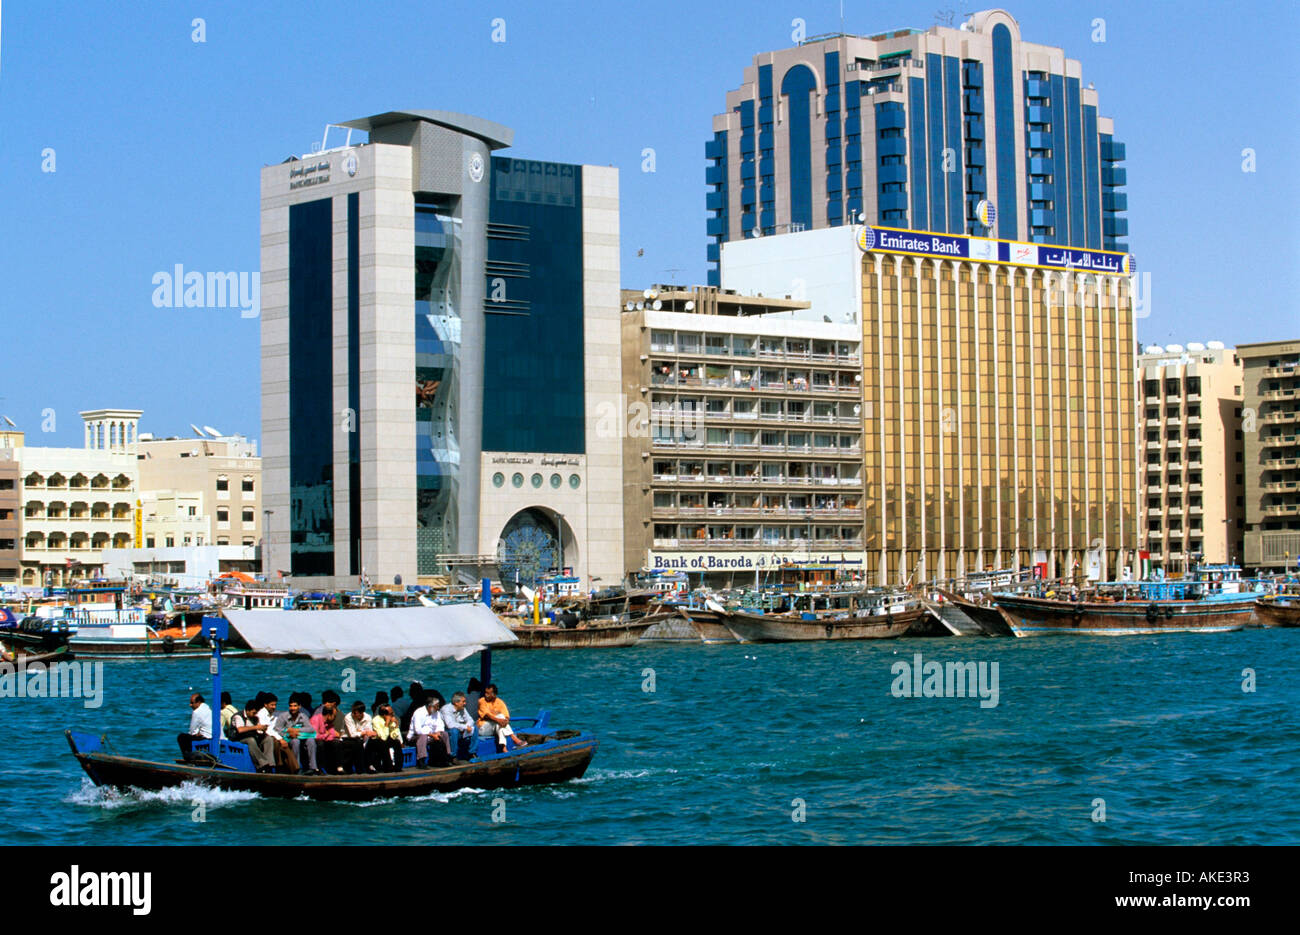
960 247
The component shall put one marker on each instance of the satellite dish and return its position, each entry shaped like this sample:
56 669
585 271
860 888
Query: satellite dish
640 306
756 232
1174 348
1195 346
197 431
630 306
658 304
690 305
211 431
1154 349
652 294
649 293
9 421
1214 345
857 410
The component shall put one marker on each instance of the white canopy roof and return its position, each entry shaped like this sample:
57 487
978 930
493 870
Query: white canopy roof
451 631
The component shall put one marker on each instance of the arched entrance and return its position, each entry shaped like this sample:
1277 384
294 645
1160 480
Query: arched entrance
534 543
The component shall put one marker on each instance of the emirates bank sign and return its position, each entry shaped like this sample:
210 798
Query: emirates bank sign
959 247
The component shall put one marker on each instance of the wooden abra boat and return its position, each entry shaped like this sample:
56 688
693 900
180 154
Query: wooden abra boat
555 756
1278 612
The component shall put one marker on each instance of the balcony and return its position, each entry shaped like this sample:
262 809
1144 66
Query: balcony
1153 446
1272 441
1281 509
1284 393
1286 370
1286 415
1280 486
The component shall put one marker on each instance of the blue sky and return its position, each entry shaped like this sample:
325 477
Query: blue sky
158 141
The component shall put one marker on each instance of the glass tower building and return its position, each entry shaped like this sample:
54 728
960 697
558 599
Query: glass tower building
430 312
964 130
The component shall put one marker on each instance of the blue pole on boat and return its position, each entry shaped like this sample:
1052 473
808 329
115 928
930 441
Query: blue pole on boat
218 630
485 657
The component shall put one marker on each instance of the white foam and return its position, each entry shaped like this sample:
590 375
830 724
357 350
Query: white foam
187 794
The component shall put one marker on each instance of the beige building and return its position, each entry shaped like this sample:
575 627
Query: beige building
11 529
1271 454
998 396
1191 447
742 435
219 478
77 502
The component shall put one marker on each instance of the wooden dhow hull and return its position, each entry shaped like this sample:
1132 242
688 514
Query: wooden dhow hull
1277 614
986 616
549 762
781 628
1036 616
600 636
710 624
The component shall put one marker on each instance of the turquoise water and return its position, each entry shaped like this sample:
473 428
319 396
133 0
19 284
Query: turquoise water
737 741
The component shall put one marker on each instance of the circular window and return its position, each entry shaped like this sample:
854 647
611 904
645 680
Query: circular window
517 480
555 480
537 480
498 479
574 481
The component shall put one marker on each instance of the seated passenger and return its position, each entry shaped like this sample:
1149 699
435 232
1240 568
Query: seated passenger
494 719
284 755
200 725
295 727
461 732
358 732
329 743
246 729
228 710
429 734
388 739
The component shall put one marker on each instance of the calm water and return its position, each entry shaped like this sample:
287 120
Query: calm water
732 735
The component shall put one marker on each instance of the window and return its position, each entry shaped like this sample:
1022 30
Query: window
248 515
193 511
223 483
8 544
223 514
246 485
223 540
248 541
149 542
170 542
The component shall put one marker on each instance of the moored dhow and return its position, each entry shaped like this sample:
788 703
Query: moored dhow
806 617
1278 611
1212 600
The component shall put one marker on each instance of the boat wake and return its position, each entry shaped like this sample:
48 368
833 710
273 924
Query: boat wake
187 794
440 797
601 775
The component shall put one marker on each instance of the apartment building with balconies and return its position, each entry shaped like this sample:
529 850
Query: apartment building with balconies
1192 486
742 434
1270 428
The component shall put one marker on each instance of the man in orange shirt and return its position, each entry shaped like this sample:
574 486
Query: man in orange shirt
494 719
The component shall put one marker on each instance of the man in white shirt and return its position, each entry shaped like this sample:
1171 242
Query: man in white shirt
358 753
267 717
246 729
427 728
200 725
461 730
